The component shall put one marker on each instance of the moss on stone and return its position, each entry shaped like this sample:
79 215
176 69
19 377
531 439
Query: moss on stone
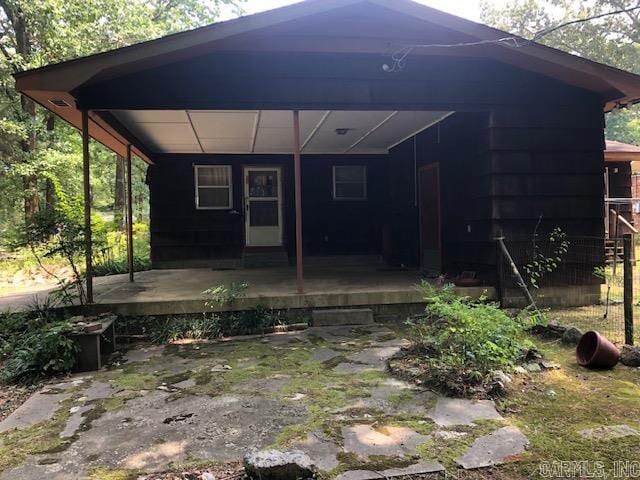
43 437
136 381
113 474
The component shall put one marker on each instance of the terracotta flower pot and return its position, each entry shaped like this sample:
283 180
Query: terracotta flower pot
595 351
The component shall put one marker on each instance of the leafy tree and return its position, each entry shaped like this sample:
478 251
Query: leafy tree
614 40
34 148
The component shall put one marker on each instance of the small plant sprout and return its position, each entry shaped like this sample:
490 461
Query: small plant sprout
221 295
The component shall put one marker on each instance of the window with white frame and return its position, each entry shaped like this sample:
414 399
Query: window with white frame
213 187
349 182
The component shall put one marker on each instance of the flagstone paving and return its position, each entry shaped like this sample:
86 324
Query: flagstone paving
324 391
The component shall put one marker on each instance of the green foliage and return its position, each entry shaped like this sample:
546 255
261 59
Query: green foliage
34 345
111 259
35 148
613 40
465 340
545 262
59 232
222 295
207 326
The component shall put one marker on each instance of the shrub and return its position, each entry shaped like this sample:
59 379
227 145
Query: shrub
221 295
464 341
33 346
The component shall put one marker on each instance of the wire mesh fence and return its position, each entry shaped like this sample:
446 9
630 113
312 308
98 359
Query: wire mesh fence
575 281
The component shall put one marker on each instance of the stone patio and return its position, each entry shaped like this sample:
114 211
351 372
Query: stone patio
166 406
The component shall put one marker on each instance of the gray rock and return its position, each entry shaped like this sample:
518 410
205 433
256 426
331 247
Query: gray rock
572 336
533 367
454 411
391 441
99 390
278 465
449 435
376 356
324 354
501 377
74 421
609 432
549 365
494 449
630 356
39 407
143 354
549 331
185 384
350 368
322 451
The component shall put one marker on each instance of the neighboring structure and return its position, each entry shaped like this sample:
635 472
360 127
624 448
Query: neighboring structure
395 148
622 200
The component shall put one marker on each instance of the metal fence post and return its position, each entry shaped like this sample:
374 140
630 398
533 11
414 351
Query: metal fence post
500 283
628 289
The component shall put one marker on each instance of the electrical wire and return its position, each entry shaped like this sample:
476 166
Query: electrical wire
399 57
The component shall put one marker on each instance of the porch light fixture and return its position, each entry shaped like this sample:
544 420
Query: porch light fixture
58 102
343 131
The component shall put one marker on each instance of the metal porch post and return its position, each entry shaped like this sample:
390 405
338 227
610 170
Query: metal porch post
129 216
88 246
298 195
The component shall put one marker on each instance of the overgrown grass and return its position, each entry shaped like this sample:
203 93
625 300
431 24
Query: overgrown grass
207 326
552 408
461 342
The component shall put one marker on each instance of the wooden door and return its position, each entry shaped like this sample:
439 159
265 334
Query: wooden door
430 222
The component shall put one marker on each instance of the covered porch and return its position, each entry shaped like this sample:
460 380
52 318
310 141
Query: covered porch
343 129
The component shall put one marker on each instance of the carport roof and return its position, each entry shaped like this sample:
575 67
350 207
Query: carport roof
58 82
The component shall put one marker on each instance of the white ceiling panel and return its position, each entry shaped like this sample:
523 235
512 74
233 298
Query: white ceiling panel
226 145
398 128
274 140
221 124
275 130
158 134
356 124
271 131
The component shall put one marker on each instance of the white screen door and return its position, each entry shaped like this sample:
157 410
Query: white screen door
263 206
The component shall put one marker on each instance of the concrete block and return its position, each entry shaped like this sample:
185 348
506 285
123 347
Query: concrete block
352 316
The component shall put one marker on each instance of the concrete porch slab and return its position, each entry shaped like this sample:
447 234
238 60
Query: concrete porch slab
172 292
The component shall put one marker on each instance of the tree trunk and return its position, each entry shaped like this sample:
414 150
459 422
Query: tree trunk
28 107
119 195
30 182
50 197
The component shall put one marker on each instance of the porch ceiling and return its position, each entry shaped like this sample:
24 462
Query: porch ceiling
271 131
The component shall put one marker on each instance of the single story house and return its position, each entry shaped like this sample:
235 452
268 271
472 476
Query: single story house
348 129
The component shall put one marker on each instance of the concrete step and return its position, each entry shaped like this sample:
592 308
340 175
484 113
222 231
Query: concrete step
342 316
265 259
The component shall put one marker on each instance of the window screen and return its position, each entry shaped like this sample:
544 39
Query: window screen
350 182
213 187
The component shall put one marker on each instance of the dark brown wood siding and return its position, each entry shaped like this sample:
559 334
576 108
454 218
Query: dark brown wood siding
521 147
181 235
